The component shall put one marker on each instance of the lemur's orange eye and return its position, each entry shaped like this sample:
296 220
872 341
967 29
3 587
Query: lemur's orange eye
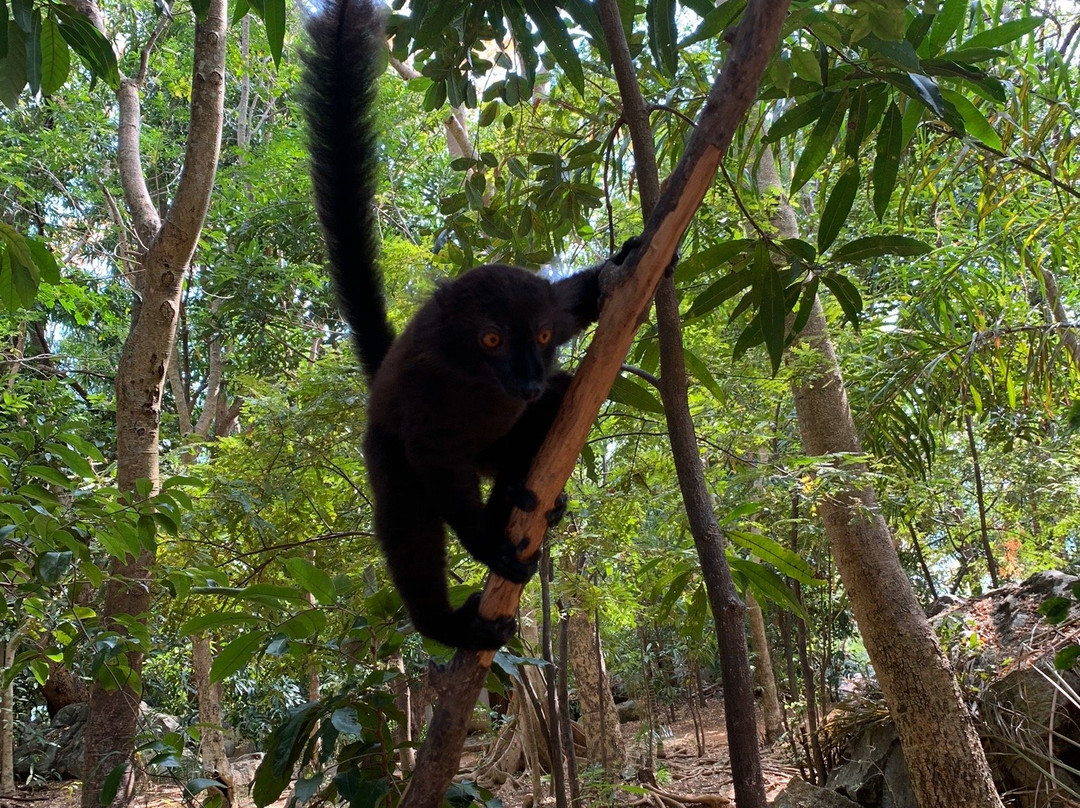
543 336
491 339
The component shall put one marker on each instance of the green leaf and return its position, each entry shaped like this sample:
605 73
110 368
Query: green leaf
111 784
1004 33
89 43
43 259
862 249
786 561
13 67
797 117
898 53
193 787
559 43
1067 657
846 295
49 475
806 306
236 655
635 395
201 9
926 90
975 122
303 625
766 584
1055 609
821 140
660 15
890 145
33 53
74 460
750 336
946 21
312 579
712 258
716 293
837 207
283 748
53 566
773 311
702 373
55 58
585 15
716 22
274 20
215 620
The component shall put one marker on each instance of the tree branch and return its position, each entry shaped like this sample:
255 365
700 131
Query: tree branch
629 292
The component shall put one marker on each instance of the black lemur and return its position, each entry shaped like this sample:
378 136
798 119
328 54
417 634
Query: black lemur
470 387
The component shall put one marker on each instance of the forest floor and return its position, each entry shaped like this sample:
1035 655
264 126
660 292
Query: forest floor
679 773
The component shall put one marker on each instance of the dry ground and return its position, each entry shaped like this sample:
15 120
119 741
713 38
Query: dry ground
681 771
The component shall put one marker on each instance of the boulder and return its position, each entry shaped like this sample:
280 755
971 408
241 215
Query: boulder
800 794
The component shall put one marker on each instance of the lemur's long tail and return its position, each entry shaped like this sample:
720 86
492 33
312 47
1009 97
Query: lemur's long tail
346 41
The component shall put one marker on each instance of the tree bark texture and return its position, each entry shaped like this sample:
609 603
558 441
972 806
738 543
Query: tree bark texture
603 740
770 702
212 755
629 292
945 759
166 248
944 756
10 648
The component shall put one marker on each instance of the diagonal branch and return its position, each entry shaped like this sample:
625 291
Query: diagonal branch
630 292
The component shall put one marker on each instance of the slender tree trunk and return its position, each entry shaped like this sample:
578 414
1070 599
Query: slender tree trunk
944 757
728 611
169 246
215 762
554 723
402 732
7 719
565 725
980 499
921 558
770 702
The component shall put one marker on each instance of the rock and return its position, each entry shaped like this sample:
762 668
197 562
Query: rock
627 711
243 769
801 794
56 750
876 774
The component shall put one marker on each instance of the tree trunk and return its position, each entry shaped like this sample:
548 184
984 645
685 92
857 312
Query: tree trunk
980 499
946 762
7 720
402 731
140 378
212 755
603 740
728 611
770 702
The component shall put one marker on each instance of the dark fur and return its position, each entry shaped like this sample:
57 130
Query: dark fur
444 411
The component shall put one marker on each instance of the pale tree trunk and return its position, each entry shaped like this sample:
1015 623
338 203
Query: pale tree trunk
10 648
215 763
166 248
603 739
402 731
763 674
946 762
